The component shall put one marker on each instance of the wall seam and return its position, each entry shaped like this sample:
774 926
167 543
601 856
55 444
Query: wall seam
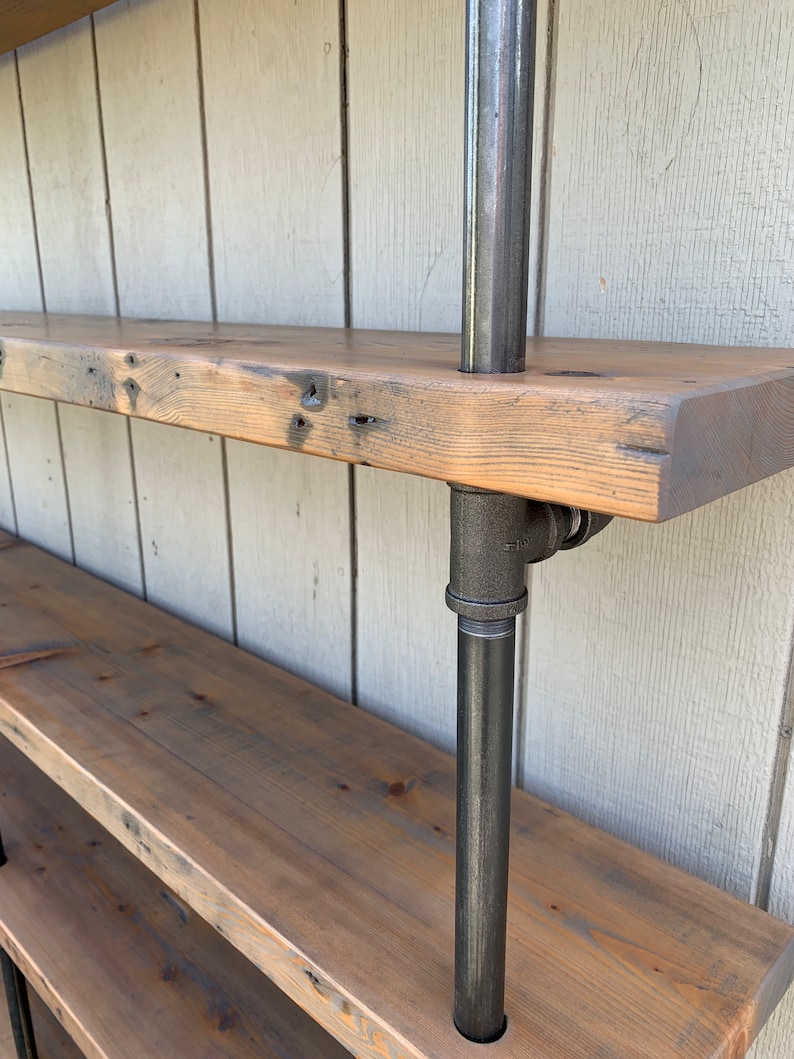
544 200
30 183
344 136
777 787
105 177
353 524
117 300
522 707
227 500
8 469
205 162
345 154
547 119
136 508
65 479
37 245
213 290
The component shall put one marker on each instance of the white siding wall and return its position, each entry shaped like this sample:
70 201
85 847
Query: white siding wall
189 159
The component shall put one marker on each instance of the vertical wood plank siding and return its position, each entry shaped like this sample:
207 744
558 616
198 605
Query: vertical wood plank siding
186 159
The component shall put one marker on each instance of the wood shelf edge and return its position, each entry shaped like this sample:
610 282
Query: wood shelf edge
638 430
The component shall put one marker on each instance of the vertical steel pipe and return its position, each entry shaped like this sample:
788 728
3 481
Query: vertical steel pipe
499 100
500 42
486 659
16 991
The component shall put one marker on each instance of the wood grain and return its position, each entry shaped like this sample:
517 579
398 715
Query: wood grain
128 969
22 21
618 435
234 781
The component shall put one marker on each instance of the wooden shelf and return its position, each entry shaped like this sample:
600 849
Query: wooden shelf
319 841
131 971
22 21
643 430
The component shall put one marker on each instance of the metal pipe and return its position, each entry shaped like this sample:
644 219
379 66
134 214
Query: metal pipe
500 43
486 661
16 991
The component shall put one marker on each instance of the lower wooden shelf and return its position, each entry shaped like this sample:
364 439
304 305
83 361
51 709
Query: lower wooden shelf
128 969
318 840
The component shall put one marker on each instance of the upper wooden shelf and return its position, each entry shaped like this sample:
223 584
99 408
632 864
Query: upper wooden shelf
22 21
319 841
639 429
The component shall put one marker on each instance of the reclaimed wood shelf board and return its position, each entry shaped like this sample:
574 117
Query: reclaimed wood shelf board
22 21
318 840
130 970
643 430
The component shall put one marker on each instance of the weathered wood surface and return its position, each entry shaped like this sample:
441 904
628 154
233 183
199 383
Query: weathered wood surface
22 21
637 429
318 840
127 968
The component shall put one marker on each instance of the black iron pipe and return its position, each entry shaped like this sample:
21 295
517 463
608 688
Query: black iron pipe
500 43
486 661
16 991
